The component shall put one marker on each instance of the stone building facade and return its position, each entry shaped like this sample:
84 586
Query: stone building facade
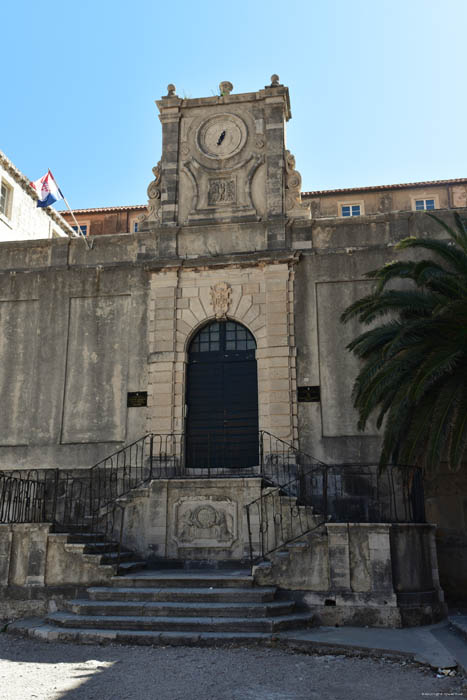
227 238
20 219
106 220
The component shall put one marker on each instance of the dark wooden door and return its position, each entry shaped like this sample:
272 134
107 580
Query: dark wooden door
222 398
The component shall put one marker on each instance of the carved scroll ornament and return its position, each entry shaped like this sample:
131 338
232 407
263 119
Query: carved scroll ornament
154 194
293 189
221 297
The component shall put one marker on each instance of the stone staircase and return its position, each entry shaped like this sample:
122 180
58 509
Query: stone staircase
102 552
202 607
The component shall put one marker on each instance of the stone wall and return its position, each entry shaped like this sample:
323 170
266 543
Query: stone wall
192 519
72 344
39 569
361 574
81 328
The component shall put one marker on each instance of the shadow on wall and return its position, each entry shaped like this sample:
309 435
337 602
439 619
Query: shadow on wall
446 505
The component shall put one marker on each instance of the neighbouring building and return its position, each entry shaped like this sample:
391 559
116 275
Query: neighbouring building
206 345
342 203
20 218
106 220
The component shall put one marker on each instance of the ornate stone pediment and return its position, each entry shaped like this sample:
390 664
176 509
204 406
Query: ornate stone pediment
222 192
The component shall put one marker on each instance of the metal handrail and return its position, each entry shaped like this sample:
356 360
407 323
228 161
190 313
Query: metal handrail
333 492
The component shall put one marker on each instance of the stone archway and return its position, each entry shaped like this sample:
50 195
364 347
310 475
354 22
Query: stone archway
261 299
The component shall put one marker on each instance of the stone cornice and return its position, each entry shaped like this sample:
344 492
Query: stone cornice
257 259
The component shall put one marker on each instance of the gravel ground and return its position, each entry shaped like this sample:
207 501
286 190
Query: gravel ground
32 669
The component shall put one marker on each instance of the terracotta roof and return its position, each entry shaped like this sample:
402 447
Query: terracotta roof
373 188
106 209
314 193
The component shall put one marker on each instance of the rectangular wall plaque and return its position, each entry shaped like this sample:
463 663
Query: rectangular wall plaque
137 399
309 394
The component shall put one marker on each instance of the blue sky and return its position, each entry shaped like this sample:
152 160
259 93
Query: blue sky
378 87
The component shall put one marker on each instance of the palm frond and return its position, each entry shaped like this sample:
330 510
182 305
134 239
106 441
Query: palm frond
413 376
451 254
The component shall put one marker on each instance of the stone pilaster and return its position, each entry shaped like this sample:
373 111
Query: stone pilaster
380 557
169 116
5 553
162 329
339 558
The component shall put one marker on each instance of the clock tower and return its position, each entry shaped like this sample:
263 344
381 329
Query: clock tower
224 162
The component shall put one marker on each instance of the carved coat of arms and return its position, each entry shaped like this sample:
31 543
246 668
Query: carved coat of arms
221 297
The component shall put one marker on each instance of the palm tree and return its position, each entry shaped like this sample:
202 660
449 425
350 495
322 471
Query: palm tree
414 374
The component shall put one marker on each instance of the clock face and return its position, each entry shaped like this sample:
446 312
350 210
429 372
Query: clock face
222 136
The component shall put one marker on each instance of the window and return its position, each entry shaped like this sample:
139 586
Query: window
6 197
220 337
424 204
351 209
208 339
83 227
135 227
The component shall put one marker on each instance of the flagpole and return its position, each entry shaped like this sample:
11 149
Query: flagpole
77 224
88 245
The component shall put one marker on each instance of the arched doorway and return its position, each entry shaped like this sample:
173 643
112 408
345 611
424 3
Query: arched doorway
222 398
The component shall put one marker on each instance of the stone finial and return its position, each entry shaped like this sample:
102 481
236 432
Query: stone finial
275 80
225 87
171 90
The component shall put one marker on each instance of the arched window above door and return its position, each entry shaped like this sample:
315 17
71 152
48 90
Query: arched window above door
221 336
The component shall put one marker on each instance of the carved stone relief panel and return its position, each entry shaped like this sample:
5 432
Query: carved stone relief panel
221 191
221 297
220 158
222 194
205 521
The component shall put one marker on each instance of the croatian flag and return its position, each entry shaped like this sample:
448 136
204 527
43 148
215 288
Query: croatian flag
47 190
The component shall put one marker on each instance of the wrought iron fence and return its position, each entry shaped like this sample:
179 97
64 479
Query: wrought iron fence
22 497
336 493
280 462
300 489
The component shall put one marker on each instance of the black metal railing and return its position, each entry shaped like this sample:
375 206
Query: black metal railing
22 497
281 462
87 500
337 493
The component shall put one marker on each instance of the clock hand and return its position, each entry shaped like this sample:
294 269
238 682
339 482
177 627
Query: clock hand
221 138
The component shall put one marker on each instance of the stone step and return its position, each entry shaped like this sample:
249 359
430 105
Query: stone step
89 547
179 609
225 595
180 578
112 557
180 624
87 538
127 567
46 632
